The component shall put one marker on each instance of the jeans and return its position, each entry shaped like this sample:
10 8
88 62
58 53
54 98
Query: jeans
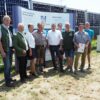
7 66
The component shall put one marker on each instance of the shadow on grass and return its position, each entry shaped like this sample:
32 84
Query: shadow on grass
52 73
13 73
76 76
4 88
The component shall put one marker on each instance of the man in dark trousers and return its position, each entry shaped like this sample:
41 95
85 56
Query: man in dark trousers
54 39
21 48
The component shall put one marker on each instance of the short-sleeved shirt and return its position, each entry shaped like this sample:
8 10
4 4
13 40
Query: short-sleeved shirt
54 37
81 37
68 40
90 33
30 39
40 38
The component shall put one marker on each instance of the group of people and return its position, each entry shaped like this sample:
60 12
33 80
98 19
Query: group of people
32 45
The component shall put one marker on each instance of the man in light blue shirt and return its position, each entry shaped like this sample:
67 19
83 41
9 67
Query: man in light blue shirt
91 35
80 38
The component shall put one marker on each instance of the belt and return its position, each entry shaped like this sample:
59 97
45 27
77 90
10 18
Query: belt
39 45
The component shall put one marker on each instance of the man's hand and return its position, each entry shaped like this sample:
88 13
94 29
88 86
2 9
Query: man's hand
30 54
47 46
13 50
2 50
86 46
77 45
24 52
3 54
61 48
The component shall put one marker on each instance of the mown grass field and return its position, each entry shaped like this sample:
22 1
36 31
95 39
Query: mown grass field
57 86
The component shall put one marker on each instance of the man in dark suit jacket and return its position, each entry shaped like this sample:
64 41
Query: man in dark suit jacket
21 48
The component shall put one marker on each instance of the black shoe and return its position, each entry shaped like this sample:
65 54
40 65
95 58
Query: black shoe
35 74
61 69
23 81
55 68
13 80
82 70
27 77
41 69
10 84
89 67
67 68
71 70
76 72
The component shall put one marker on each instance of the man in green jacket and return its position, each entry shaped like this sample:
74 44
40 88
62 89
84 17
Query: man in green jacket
21 48
6 49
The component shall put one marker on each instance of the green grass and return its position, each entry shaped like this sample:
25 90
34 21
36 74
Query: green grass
0 59
2 68
94 44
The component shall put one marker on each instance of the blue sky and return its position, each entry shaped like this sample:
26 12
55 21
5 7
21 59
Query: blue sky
89 5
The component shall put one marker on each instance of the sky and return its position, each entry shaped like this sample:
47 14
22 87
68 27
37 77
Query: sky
89 5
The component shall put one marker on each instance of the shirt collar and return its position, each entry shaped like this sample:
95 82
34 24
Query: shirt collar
30 32
87 29
54 31
5 26
67 30
22 33
80 32
39 32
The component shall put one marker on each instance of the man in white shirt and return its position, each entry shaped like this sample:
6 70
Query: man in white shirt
54 39
32 51
6 49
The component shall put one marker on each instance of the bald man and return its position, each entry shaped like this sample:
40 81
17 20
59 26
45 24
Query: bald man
21 48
